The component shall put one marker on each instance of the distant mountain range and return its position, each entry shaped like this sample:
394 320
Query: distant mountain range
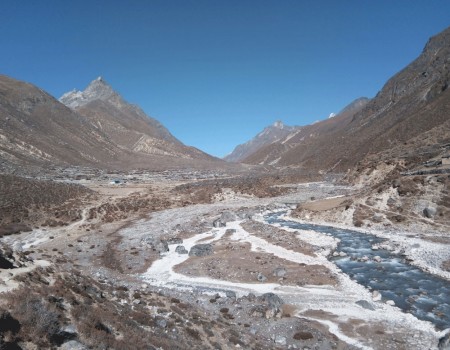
275 139
275 132
98 128
95 127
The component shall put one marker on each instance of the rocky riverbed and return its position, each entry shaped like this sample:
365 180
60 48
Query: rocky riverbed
270 286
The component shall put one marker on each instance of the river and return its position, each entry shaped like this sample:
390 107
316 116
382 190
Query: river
412 290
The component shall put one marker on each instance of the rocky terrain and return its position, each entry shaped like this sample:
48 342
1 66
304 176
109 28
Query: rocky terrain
207 275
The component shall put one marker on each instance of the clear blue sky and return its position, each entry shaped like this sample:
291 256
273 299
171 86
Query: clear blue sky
216 72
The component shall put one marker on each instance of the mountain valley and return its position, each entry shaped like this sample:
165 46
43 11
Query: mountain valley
116 235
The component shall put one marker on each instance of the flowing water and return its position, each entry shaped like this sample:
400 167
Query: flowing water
413 290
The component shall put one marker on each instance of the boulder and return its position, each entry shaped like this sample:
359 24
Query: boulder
227 216
444 342
279 272
174 240
218 223
365 304
251 297
272 300
230 231
201 250
181 249
429 212
377 258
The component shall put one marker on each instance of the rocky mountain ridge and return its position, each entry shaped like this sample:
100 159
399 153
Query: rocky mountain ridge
272 133
411 103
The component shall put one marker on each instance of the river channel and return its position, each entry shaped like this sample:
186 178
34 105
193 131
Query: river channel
411 289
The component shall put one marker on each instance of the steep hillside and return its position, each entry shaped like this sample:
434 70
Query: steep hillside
275 132
411 103
36 129
126 124
103 131
275 152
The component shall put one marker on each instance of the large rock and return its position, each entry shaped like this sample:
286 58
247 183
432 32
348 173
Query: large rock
444 342
272 299
218 223
181 249
279 272
226 216
156 244
174 240
429 212
201 250
365 304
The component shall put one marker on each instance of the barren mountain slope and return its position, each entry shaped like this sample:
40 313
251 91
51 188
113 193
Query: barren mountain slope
125 124
36 129
411 103
274 152
275 132
38 132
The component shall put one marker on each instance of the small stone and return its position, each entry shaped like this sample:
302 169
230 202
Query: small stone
261 277
390 302
342 254
280 340
161 322
377 258
376 296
